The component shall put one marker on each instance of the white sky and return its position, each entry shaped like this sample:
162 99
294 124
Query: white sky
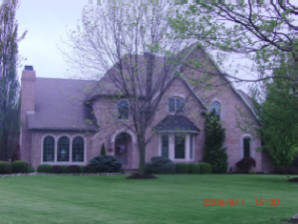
47 22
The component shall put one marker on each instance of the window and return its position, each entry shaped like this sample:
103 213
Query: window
165 146
176 104
63 149
123 110
48 149
78 149
216 107
179 146
191 138
246 147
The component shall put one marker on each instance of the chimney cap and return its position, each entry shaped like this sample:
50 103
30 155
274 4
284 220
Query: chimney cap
28 67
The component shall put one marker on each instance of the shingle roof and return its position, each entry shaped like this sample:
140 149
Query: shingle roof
60 105
176 123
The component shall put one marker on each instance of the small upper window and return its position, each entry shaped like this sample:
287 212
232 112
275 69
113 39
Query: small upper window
123 109
216 108
176 104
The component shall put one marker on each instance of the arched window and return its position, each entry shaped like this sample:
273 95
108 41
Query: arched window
123 110
246 147
216 107
176 104
63 149
48 149
78 149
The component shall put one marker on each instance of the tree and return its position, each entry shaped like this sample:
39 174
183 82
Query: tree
279 117
9 101
262 30
129 39
214 153
103 150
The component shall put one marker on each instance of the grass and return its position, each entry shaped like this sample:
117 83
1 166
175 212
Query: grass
169 199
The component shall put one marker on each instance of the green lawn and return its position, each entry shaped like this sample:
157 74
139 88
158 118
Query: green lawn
169 199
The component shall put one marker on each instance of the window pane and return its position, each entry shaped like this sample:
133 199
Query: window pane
48 149
179 104
63 149
179 147
123 109
172 104
216 107
191 147
78 149
165 146
246 145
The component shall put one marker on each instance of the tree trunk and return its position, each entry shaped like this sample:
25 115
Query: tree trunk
142 150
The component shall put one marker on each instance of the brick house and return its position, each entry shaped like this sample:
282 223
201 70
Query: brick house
65 121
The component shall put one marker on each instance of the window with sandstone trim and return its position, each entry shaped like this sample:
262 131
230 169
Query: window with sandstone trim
63 149
216 107
48 149
246 147
78 149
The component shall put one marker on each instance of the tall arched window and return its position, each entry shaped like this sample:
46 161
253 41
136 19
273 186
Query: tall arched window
48 149
216 107
246 147
63 149
123 110
78 149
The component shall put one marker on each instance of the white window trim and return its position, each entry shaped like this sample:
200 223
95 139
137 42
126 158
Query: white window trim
70 162
252 146
221 115
172 148
117 110
175 96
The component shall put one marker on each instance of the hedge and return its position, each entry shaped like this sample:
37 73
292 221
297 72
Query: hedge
205 167
5 167
20 166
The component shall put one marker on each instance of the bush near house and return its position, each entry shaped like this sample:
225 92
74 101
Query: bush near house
59 169
183 167
246 164
45 168
195 168
20 166
160 164
104 164
5 167
74 169
205 168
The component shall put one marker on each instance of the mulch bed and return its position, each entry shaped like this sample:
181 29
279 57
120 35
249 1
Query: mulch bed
293 179
141 176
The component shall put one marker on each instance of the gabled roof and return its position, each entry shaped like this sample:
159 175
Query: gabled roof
60 105
177 124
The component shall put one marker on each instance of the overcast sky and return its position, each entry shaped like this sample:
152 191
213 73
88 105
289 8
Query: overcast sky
47 22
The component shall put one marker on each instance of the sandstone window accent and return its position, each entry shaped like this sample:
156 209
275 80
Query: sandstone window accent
176 104
78 149
123 110
49 149
63 149
246 147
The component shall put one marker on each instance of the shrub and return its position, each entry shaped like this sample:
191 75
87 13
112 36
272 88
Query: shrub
31 169
5 167
245 164
295 162
214 153
104 164
73 169
45 168
195 168
205 167
59 169
183 168
160 164
103 150
19 166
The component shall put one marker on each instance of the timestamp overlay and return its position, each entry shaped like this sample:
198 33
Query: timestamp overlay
232 202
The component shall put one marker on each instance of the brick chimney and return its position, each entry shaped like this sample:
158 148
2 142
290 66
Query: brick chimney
28 89
27 106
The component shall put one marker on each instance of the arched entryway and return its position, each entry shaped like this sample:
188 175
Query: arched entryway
123 147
